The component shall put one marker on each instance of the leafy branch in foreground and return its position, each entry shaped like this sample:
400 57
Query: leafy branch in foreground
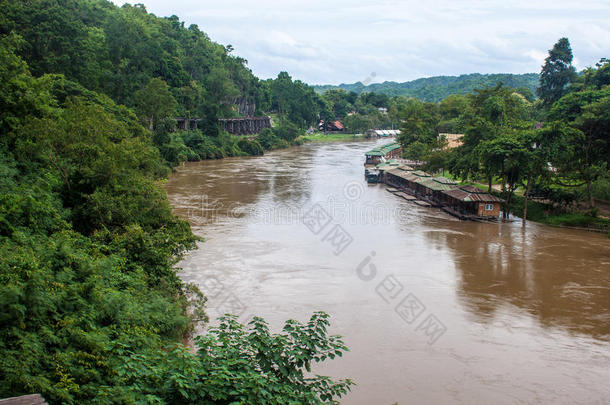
238 364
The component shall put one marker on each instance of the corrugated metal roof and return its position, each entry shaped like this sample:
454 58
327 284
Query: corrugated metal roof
433 184
463 194
337 124
383 149
457 193
386 132
473 189
444 180
386 165
421 173
404 174
411 176
483 198
400 173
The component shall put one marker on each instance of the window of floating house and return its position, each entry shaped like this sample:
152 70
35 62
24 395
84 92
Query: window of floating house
489 207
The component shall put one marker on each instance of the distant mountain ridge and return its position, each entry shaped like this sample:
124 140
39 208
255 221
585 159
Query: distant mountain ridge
436 88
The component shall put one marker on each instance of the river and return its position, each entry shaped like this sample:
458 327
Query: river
434 310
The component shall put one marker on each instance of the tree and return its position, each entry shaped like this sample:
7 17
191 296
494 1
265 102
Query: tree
582 123
492 113
357 123
510 156
418 130
557 73
450 109
20 93
287 131
155 102
294 100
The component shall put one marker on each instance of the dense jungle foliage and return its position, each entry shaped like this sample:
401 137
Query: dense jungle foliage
92 310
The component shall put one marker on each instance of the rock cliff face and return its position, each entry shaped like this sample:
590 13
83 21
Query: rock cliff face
243 106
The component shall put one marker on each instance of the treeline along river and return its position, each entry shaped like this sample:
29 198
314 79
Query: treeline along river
434 310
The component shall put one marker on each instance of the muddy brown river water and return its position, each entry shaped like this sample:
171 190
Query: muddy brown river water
434 310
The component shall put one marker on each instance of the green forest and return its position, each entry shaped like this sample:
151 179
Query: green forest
92 310
435 89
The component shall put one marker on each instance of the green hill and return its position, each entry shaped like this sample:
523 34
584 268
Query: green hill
438 87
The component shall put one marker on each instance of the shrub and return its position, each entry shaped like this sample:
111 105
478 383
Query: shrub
287 131
238 364
250 147
269 141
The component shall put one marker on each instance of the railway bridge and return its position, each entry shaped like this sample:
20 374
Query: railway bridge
246 125
235 126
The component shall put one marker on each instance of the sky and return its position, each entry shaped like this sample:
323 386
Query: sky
346 41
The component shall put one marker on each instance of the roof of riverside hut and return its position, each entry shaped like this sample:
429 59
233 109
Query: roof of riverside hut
434 184
445 180
383 149
421 173
404 173
402 167
390 163
471 194
398 172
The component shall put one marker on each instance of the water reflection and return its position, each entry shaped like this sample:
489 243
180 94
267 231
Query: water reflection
208 191
557 276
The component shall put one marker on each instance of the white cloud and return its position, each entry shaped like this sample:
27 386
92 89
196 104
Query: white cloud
345 40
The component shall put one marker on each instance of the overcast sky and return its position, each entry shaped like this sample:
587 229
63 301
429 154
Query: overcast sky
345 41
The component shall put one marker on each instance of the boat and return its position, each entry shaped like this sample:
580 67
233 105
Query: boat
372 176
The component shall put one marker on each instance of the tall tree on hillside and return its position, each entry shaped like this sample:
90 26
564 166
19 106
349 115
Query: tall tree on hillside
419 121
557 73
155 102
294 100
